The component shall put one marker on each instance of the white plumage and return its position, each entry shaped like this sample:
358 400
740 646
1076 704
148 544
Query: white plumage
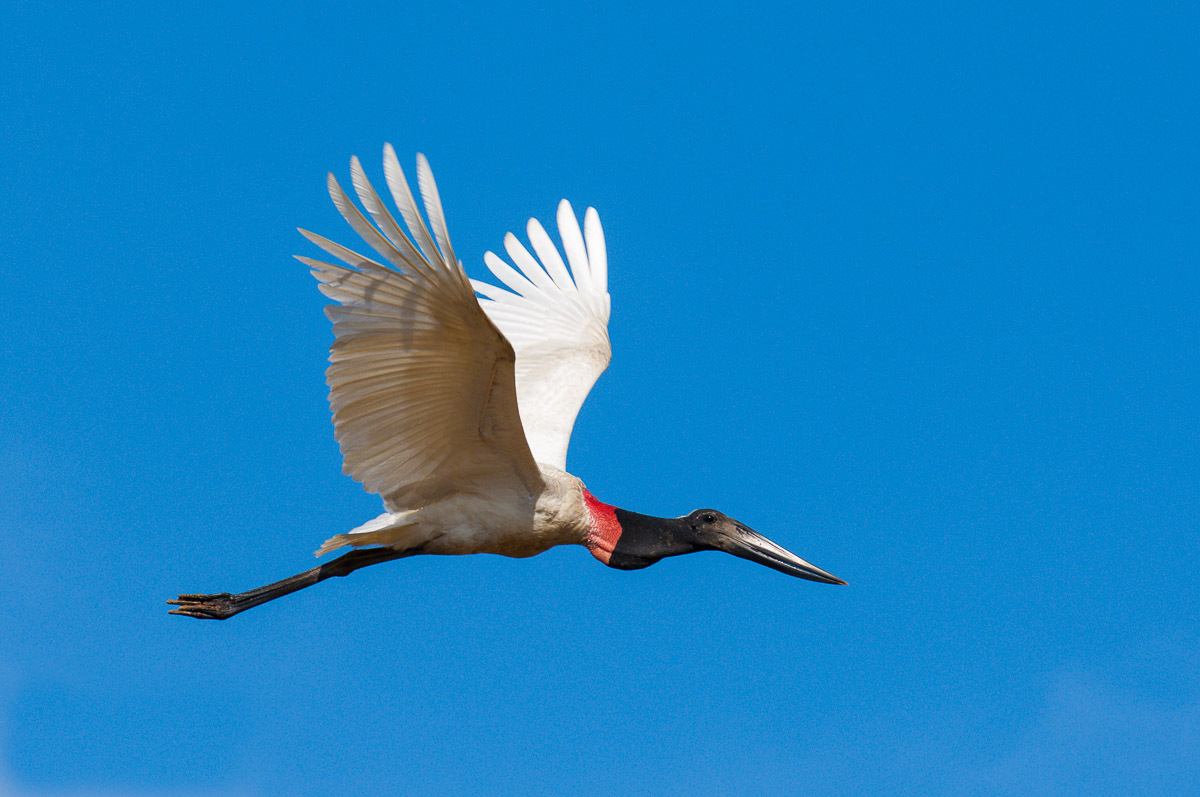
558 326
458 410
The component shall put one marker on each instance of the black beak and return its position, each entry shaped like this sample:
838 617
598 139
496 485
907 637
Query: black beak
749 544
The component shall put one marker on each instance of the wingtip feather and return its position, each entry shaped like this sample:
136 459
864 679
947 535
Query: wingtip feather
593 234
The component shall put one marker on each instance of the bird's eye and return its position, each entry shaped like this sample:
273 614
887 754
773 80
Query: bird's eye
709 517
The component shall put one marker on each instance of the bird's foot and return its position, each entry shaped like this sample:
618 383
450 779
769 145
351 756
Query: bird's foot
206 607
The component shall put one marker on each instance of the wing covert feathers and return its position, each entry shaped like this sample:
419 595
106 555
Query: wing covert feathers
422 384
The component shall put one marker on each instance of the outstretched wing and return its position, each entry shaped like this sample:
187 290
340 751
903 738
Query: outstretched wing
421 382
558 323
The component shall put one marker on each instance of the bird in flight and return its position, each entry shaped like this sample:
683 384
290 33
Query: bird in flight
453 399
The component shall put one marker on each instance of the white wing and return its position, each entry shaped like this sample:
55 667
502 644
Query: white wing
557 322
421 382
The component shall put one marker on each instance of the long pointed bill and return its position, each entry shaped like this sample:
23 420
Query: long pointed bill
749 544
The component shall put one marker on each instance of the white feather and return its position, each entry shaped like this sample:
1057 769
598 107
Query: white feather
422 384
557 321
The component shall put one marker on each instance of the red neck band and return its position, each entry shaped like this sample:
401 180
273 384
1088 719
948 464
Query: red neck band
604 529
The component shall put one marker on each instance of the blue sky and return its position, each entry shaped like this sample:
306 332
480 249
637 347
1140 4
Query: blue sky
913 291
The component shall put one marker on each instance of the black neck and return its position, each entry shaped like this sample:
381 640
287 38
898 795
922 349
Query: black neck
645 539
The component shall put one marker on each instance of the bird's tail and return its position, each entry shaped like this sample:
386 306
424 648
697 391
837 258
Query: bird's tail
391 529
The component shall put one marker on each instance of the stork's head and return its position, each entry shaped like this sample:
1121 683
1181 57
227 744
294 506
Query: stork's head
629 541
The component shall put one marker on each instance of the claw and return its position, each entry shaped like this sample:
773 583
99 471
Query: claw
204 607
199 597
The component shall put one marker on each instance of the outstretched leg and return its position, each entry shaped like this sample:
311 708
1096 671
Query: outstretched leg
223 605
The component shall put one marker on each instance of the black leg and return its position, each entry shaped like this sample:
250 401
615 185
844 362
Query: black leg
223 605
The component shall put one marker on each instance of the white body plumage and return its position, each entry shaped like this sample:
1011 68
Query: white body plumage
494 520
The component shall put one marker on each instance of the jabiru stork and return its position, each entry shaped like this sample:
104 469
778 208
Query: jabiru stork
454 399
